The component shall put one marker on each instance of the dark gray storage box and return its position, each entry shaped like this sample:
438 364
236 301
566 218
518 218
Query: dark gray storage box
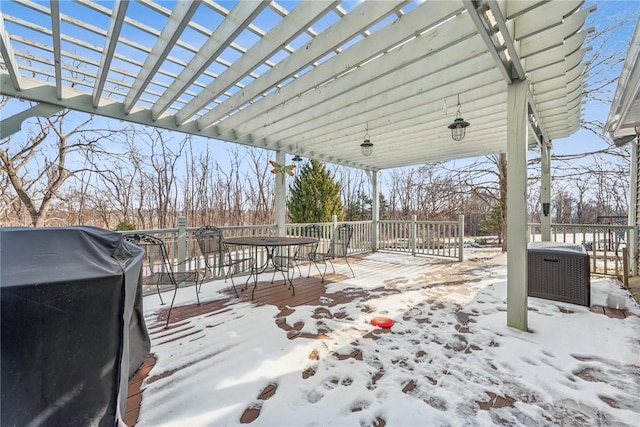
559 272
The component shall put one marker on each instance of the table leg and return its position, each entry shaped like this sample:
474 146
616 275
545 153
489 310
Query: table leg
263 268
290 271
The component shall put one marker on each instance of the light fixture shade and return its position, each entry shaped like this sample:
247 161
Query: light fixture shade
297 158
367 147
458 128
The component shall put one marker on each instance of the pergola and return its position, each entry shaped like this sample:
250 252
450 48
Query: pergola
312 77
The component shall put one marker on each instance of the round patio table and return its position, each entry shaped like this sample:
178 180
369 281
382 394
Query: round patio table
270 243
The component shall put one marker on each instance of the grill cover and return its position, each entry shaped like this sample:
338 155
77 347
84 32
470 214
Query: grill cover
73 331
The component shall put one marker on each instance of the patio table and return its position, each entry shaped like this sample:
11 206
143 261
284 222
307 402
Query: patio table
270 243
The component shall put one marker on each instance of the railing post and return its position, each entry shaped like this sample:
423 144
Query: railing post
374 235
182 242
461 237
414 233
375 208
633 248
334 224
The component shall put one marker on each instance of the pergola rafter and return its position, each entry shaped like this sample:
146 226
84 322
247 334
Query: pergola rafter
308 79
312 79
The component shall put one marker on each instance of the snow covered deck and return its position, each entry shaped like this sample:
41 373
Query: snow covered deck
313 359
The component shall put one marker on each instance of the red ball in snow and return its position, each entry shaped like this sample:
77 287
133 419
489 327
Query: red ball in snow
383 322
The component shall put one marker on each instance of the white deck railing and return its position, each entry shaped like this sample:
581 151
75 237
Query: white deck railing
440 238
436 238
604 243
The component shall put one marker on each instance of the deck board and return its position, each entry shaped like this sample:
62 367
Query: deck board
134 399
308 290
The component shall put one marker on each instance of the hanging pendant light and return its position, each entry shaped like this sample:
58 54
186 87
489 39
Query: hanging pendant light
296 158
367 145
458 127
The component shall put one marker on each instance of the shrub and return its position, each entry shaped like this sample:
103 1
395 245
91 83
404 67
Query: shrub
125 226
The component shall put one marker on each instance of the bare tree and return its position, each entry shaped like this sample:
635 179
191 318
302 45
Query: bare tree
228 189
161 177
429 192
116 196
259 187
486 179
607 54
37 166
355 186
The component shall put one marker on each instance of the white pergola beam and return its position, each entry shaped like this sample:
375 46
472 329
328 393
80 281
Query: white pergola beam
297 22
9 57
488 39
298 114
237 21
373 78
544 17
554 36
374 45
345 29
13 124
110 43
506 30
517 8
386 64
55 42
409 121
178 21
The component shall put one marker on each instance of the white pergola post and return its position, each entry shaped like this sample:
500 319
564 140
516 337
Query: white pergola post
517 205
633 219
281 196
375 209
545 192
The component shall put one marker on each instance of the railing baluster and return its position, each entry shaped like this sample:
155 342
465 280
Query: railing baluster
604 241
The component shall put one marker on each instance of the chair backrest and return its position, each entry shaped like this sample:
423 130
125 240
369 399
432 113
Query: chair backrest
211 243
340 240
311 230
156 258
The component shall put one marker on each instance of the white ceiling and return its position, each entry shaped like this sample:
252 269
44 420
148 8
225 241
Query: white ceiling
307 77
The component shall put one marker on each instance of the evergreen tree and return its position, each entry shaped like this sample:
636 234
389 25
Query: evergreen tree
384 207
360 209
492 224
314 195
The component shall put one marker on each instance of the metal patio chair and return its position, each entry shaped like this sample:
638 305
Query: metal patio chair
301 255
217 255
338 247
158 270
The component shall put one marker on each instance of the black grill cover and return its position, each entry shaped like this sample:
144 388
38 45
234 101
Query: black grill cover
73 331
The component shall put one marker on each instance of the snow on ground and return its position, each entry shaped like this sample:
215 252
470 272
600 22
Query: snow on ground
449 360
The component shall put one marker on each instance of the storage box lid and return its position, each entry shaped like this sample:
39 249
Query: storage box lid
559 246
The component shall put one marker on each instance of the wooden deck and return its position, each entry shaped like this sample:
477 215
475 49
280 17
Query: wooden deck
134 398
308 291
